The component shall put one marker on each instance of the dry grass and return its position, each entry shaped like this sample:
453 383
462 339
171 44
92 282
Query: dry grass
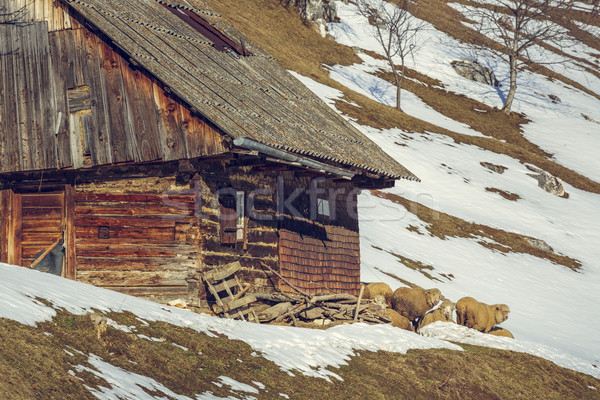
442 225
300 48
34 365
507 195
412 264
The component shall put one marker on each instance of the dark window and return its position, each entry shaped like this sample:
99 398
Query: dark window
233 227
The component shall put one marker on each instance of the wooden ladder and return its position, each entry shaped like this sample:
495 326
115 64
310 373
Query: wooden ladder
230 295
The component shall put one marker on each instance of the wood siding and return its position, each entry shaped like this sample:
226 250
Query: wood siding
319 253
138 236
71 101
53 12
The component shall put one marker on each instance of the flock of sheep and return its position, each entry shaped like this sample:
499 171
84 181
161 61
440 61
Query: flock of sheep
411 309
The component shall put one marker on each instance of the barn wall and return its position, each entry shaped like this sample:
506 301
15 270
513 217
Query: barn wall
51 11
138 236
260 245
319 253
72 101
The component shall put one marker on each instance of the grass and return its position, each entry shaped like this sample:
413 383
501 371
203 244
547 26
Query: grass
442 225
412 264
34 364
299 47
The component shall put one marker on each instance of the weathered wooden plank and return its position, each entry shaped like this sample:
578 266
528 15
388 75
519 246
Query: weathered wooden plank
16 231
5 223
92 220
134 197
90 250
133 278
131 208
173 144
99 134
70 235
141 113
155 235
217 274
130 263
49 200
151 291
122 138
59 87
232 305
229 283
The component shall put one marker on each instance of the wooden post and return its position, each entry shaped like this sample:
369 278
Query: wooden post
69 235
360 295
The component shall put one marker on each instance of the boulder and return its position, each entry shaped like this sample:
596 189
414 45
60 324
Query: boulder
548 182
499 169
317 12
476 72
539 244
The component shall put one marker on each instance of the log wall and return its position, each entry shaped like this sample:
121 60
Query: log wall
138 236
261 239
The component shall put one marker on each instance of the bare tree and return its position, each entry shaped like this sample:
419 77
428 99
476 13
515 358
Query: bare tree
519 25
396 30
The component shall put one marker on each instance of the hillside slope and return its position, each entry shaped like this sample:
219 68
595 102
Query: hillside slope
51 349
478 224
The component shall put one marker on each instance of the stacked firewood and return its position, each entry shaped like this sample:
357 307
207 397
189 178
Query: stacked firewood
286 308
308 308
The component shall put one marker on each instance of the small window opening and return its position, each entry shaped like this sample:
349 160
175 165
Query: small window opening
220 41
239 204
233 221
323 207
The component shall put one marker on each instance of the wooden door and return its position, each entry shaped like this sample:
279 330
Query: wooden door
33 222
42 224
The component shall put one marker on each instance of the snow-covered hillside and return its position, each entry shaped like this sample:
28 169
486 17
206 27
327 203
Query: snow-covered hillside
550 304
30 297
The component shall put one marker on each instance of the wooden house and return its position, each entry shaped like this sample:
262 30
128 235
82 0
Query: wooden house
149 141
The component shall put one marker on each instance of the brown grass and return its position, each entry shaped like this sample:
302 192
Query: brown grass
300 48
443 225
412 264
507 195
34 365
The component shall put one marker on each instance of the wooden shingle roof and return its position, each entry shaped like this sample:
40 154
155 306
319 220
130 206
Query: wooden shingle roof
247 95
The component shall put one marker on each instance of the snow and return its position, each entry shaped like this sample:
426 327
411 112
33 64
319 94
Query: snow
520 280
235 385
124 384
575 140
309 351
554 311
462 334
548 301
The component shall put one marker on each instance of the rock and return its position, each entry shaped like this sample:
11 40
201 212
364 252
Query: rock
539 244
476 72
555 99
548 182
317 12
499 169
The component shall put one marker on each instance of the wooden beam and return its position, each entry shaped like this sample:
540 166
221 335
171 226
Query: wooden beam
69 236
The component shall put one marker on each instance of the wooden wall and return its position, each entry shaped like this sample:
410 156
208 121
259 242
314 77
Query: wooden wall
261 239
42 223
69 100
319 253
50 11
138 236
